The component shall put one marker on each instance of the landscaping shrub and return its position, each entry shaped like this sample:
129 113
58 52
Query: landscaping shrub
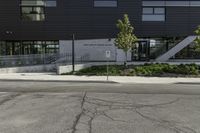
100 70
143 70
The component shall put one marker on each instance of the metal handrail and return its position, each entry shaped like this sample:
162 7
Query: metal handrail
39 59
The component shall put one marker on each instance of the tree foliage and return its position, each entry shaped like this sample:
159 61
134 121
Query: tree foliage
125 38
197 40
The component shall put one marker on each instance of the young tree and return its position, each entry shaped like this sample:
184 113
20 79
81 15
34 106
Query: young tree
197 40
125 38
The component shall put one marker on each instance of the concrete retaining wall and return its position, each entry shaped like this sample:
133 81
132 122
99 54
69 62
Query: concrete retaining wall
68 68
26 69
95 49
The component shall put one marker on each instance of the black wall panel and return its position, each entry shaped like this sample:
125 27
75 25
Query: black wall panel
87 22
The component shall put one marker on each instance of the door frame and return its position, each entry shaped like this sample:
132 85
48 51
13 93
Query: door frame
139 49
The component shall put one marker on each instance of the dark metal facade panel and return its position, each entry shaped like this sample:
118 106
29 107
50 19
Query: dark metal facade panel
87 22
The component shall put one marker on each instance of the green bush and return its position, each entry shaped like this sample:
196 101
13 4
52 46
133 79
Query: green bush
143 70
100 70
150 69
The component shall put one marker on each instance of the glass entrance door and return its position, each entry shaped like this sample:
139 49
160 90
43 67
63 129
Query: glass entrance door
12 48
9 48
141 51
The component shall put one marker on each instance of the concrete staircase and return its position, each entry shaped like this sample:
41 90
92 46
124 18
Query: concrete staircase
181 45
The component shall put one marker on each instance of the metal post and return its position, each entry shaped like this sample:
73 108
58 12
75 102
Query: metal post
108 54
107 70
73 53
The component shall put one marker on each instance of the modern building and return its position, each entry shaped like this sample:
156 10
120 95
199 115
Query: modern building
165 28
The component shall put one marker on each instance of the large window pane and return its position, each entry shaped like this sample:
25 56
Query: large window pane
51 3
32 11
153 14
153 17
33 17
105 3
2 47
32 2
159 10
147 10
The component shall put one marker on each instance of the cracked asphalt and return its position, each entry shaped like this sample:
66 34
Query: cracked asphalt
52 107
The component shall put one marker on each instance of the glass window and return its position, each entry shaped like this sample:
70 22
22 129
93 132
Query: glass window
26 9
105 3
153 14
32 10
51 3
147 10
28 47
32 2
159 10
2 48
188 52
153 18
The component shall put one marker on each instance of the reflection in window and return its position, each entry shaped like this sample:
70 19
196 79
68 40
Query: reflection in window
188 52
33 10
28 47
32 2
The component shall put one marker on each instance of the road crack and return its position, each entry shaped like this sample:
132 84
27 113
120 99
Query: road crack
9 98
92 107
74 127
168 124
116 105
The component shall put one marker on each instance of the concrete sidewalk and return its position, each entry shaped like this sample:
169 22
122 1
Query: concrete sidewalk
51 77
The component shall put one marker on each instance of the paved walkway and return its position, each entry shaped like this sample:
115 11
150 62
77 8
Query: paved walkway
119 79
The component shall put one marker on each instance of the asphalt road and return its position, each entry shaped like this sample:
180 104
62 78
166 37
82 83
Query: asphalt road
58 107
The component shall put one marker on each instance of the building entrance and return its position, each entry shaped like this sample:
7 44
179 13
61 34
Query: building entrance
141 51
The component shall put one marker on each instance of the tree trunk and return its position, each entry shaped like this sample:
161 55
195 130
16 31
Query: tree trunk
125 62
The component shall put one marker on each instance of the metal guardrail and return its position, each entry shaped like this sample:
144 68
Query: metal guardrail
39 59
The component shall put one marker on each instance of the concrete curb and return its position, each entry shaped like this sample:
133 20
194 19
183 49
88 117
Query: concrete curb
50 77
61 81
97 81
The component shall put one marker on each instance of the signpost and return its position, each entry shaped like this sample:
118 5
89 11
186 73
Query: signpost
108 55
73 53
